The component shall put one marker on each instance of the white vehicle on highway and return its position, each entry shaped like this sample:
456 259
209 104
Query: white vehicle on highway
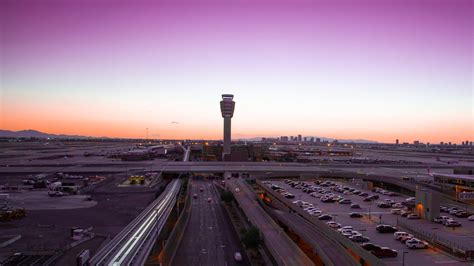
237 256
416 243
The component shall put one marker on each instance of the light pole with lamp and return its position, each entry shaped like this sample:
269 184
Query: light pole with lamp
403 257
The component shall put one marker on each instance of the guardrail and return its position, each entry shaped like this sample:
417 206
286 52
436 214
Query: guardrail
324 229
450 246
174 239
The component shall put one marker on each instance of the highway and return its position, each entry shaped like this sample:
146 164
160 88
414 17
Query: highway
209 238
134 242
281 247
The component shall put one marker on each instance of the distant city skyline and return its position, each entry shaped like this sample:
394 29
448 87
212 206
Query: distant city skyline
343 69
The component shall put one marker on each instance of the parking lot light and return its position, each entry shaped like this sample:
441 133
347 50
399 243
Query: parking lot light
403 257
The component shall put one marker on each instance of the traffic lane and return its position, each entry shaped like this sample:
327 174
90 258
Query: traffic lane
207 239
367 227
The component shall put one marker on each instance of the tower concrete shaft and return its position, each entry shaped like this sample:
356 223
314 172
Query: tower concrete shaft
227 110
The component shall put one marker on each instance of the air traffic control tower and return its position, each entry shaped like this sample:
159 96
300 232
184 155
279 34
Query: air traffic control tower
227 110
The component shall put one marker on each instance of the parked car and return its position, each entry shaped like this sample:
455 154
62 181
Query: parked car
385 228
452 223
384 205
355 206
471 218
396 211
334 225
325 217
405 213
359 238
385 252
370 246
404 238
440 219
355 215
416 243
413 216
462 214
345 201
399 235
347 227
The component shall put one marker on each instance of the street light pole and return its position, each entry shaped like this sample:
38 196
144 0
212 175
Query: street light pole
403 257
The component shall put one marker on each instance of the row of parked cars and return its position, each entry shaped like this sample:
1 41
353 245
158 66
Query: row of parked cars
310 209
349 232
280 190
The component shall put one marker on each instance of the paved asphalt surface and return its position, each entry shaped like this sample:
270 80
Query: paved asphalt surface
283 249
209 238
367 227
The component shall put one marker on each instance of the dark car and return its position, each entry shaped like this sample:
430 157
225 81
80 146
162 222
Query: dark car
364 194
359 239
370 246
355 206
462 214
328 200
383 205
367 199
325 217
385 228
374 197
355 215
385 253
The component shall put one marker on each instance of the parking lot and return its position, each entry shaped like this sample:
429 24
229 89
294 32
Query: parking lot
366 226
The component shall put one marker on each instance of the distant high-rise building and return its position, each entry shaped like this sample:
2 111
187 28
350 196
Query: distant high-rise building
227 110
299 138
416 142
284 138
470 143
304 139
467 142
318 140
312 139
397 141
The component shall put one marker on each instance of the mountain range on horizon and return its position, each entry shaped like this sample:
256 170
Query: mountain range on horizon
31 133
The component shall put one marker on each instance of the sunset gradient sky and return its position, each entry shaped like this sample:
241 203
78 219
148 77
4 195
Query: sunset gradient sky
372 69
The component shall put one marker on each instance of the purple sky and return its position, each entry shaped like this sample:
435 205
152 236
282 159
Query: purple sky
379 69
